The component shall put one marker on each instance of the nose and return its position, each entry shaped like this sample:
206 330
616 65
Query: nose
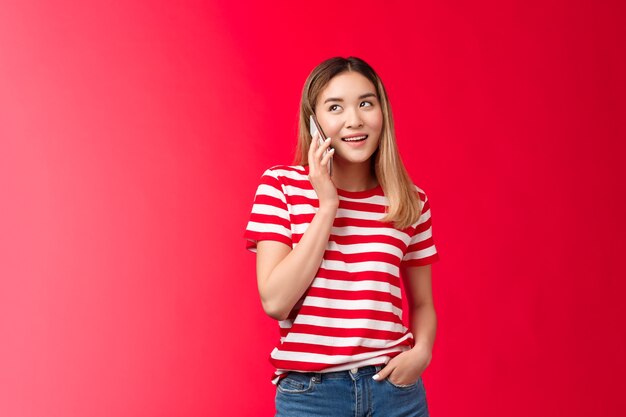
353 119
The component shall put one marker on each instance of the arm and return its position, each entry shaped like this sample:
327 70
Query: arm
423 319
283 274
408 366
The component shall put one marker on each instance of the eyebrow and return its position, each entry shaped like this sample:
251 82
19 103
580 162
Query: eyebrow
361 97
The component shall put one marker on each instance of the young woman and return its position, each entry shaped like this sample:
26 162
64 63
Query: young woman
331 251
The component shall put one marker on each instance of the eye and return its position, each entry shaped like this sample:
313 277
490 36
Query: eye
366 104
334 107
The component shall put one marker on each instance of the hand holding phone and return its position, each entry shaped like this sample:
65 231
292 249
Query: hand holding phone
314 128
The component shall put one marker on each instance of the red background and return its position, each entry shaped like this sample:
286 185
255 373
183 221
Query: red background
132 139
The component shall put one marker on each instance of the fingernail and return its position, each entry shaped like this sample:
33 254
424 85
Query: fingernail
327 139
376 377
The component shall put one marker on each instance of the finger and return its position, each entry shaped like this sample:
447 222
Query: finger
314 142
326 143
313 146
322 148
383 373
327 157
312 149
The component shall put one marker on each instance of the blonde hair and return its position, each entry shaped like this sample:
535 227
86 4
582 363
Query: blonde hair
404 203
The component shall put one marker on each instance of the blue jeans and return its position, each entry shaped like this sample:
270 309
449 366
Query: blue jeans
348 393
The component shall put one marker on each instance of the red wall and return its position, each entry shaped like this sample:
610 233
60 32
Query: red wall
132 138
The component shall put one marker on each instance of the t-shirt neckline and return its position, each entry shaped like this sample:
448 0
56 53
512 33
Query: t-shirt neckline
355 194
360 194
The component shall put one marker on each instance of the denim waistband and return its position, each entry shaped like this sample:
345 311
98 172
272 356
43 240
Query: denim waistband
353 373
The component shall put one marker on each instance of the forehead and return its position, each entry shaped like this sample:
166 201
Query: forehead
347 85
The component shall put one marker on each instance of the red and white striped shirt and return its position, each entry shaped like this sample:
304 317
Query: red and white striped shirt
351 315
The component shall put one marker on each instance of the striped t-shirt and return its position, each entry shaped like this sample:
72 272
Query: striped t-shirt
351 315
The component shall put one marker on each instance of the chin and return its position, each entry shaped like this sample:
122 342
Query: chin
353 160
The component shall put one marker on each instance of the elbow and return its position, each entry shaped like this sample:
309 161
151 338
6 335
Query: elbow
273 302
275 311
422 306
279 316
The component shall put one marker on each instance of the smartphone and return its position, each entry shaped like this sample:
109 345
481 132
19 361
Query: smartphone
314 127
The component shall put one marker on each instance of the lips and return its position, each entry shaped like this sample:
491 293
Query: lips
354 138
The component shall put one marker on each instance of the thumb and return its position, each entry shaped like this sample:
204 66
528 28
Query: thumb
383 373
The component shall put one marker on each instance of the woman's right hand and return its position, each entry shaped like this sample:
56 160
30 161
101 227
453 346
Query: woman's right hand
318 173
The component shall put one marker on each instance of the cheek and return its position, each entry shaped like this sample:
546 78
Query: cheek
330 126
377 121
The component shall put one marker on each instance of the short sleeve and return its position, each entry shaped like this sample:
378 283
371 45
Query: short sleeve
269 219
421 249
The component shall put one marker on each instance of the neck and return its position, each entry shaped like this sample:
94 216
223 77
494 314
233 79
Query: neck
353 177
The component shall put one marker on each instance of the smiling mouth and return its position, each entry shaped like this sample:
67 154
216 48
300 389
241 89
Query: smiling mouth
355 139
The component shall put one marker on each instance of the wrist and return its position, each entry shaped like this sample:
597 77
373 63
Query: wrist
328 209
422 349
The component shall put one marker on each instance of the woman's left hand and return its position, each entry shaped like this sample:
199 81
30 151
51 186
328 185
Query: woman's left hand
406 368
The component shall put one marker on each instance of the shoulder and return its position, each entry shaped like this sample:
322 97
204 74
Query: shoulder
285 172
421 194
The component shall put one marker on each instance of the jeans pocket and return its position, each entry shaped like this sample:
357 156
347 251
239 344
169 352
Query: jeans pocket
402 386
295 384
